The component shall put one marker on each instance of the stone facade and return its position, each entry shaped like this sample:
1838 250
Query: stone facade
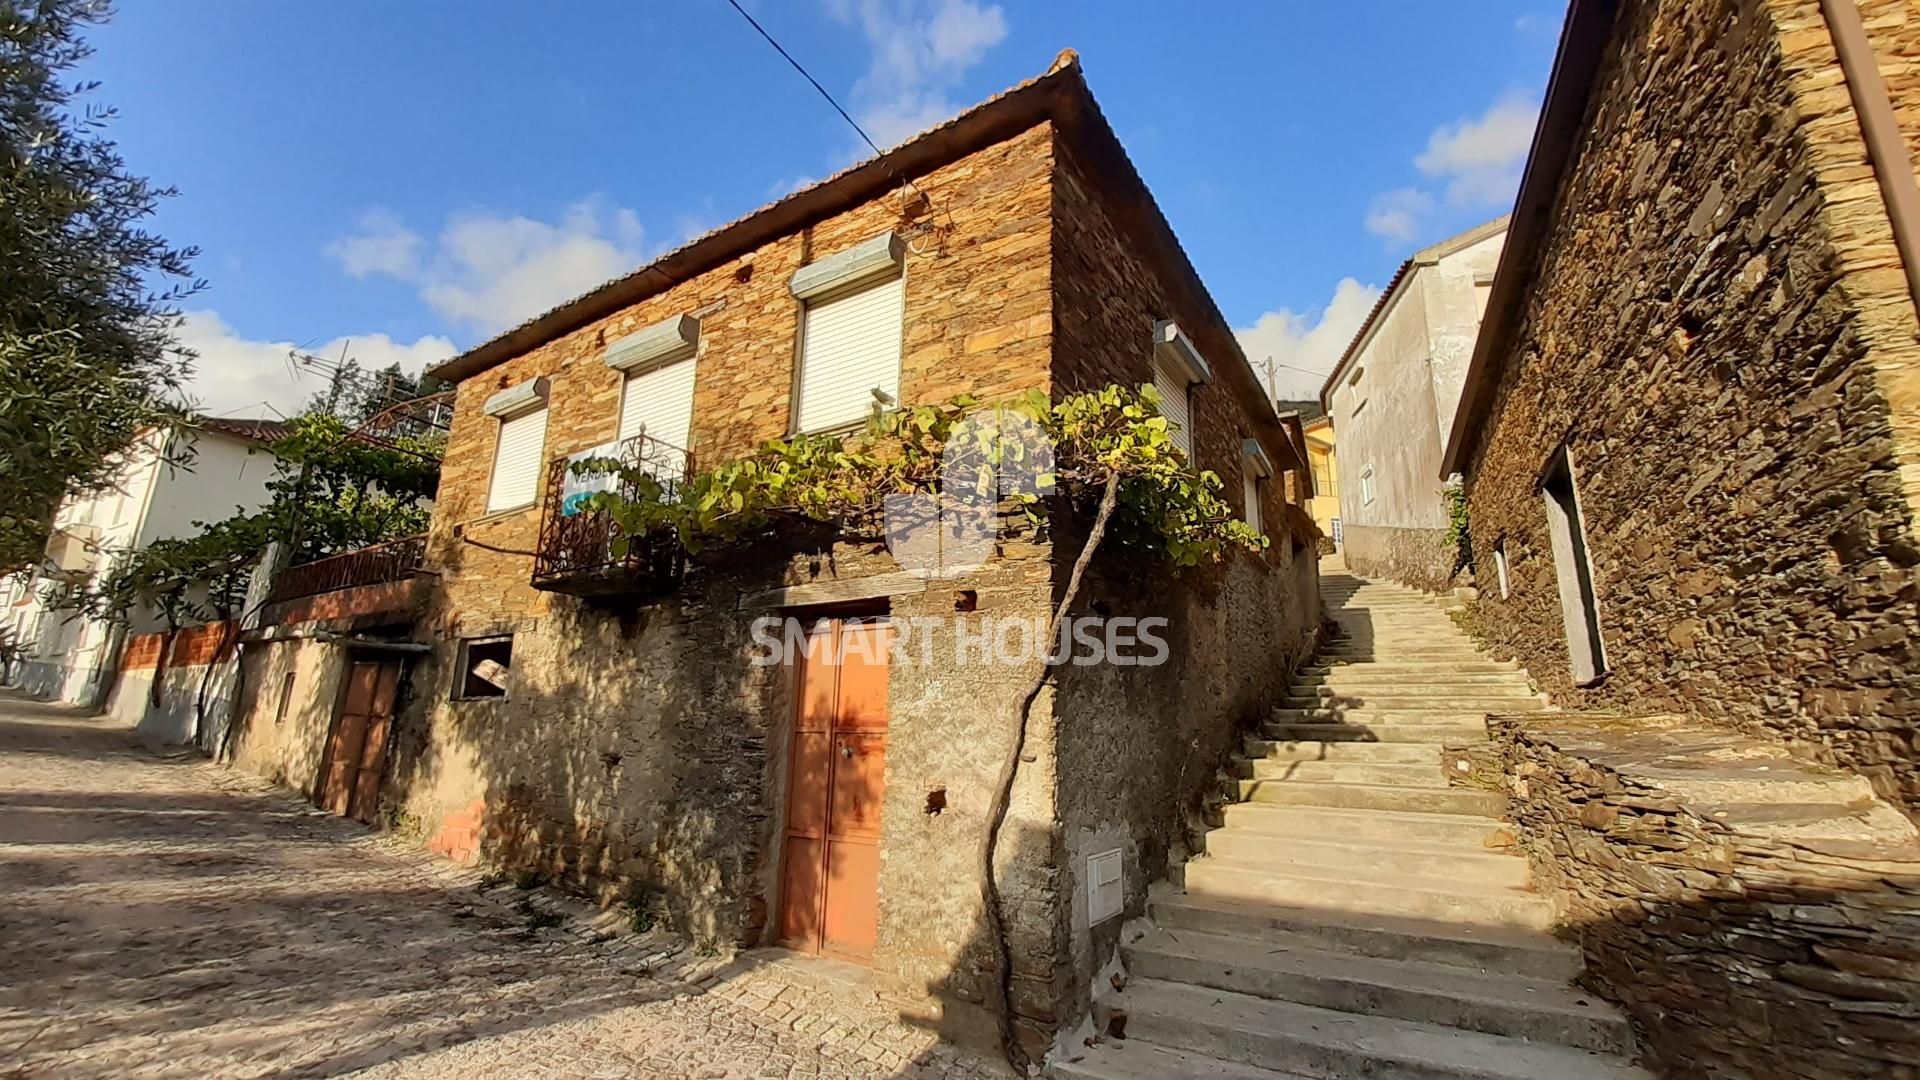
638 753
1710 328
1750 924
1139 748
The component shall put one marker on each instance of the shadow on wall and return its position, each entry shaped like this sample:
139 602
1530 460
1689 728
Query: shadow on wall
640 758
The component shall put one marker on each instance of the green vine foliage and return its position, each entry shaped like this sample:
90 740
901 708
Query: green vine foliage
1459 537
841 480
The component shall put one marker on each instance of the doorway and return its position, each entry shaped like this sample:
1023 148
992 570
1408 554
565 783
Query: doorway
356 757
1573 567
836 781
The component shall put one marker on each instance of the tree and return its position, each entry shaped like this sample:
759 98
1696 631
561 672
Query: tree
88 296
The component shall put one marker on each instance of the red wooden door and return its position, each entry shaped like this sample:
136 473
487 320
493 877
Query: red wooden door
835 787
357 745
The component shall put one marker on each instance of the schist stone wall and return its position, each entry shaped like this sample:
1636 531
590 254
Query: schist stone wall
638 749
1713 335
1140 747
1751 925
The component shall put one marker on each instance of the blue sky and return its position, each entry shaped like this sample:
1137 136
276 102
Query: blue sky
408 179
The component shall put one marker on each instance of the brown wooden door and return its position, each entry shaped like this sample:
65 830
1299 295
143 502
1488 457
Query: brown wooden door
835 787
357 746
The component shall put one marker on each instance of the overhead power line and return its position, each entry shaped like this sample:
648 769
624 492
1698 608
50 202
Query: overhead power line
777 47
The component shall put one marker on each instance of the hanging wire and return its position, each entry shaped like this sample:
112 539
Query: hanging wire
844 115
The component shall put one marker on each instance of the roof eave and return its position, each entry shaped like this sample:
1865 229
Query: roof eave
1015 110
1583 41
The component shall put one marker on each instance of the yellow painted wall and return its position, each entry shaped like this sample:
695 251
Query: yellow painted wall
1325 504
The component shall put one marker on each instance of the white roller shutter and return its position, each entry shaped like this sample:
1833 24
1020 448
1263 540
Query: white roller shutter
849 348
660 403
1250 493
1173 387
517 460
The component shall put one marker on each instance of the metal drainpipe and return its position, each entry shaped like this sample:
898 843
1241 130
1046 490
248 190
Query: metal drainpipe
1886 150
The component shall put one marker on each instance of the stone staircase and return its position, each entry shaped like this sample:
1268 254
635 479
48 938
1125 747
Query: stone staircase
1355 916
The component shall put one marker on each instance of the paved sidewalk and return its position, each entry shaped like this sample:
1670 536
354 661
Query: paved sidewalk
163 917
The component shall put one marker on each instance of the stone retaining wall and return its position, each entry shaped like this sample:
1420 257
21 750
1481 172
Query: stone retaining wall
1747 939
1420 558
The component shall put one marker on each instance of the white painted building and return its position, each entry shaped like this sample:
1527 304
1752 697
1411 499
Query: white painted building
1392 398
170 479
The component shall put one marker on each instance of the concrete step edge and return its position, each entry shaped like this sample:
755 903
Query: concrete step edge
1491 1003
1331 1043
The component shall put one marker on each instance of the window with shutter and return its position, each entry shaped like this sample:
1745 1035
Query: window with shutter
516 461
849 347
1175 403
659 402
1250 495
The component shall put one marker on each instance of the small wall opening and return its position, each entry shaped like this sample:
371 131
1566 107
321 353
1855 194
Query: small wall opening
485 667
1579 607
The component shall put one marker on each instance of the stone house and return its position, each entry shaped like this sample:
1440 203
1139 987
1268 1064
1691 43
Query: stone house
1392 397
1690 433
1689 436
599 720
168 479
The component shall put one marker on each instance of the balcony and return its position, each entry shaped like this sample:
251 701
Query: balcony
378 565
575 554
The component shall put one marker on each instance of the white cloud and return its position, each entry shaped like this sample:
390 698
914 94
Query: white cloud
1397 214
486 271
1304 346
381 244
238 376
1479 158
921 51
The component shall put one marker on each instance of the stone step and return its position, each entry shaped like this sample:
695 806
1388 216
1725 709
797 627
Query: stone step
1431 652
1317 1042
1481 702
1370 676
1327 823
1494 1004
1375 797
1381 753
1134 1059
1510 949
1462 686
1336 712
1470 667
1428 775
1438 862
1379 893
1433 734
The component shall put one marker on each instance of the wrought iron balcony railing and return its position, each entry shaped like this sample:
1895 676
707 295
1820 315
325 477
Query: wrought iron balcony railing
576 551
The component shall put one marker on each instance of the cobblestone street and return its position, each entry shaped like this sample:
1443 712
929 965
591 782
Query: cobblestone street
160 917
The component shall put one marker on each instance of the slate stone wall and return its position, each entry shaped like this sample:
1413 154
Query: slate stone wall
1140 746
1735 954
1700 334
638 750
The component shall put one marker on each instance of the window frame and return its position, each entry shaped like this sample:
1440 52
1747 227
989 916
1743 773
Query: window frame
463 668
